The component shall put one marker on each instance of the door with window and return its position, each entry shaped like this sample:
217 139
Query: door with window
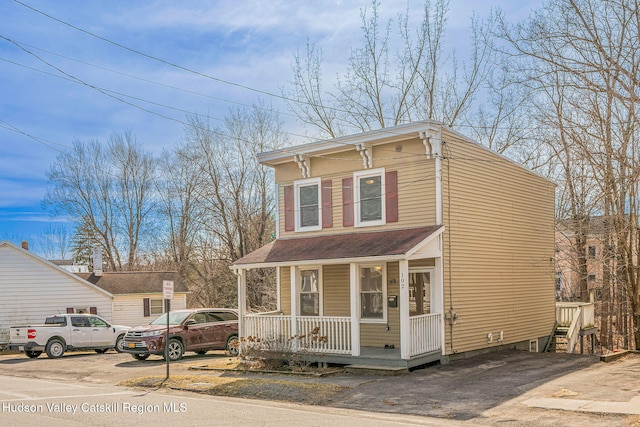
420 292
310 292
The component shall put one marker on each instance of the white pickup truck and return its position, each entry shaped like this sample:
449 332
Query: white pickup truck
64 332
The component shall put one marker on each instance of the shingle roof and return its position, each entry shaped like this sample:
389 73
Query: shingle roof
338 246
135 281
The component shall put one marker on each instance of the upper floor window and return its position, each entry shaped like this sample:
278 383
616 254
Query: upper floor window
592 251
308 205
370 197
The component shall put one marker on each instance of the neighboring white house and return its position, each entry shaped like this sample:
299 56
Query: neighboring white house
32 288
137 296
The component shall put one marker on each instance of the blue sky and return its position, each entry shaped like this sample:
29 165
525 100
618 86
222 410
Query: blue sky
248 43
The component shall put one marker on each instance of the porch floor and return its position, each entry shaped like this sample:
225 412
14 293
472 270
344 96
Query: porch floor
377 358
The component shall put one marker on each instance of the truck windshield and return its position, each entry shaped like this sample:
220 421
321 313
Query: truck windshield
174 318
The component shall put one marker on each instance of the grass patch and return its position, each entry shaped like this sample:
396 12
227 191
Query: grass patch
265 389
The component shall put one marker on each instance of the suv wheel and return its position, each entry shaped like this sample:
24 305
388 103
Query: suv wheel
233 345
175 350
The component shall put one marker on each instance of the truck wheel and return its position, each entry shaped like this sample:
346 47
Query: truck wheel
32 354
233 345
140 356
120 344
176 350
55 348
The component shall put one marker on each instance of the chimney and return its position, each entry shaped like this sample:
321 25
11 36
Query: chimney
25 245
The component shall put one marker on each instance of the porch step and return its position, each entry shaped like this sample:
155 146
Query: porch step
376 369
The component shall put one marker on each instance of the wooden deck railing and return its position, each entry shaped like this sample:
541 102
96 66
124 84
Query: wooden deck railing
425 333
576 316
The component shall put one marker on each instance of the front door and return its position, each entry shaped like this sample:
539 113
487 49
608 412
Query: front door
420 292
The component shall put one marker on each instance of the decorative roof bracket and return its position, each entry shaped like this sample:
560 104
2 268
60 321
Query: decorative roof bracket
432 141
367 155
304 163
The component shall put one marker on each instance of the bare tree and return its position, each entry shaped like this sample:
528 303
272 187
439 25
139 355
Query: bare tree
587 52
384 87
54 242
235 199
106 191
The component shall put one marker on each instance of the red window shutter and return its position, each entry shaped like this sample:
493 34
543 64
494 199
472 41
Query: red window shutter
347 202
147 307
289 209
93 310
391 202
70 310
327 204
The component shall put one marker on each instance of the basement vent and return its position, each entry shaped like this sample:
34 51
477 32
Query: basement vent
533 346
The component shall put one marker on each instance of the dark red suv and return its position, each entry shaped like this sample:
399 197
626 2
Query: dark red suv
198 330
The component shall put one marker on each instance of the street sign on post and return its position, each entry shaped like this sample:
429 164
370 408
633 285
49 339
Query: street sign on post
167 289
167 294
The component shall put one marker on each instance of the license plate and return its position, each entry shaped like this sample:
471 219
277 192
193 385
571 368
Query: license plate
132 345
21 348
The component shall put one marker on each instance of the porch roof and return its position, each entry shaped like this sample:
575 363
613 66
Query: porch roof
395 244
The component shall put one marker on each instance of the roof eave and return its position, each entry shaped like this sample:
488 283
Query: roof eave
380 136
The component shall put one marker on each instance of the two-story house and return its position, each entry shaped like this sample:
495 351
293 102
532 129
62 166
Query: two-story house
406 245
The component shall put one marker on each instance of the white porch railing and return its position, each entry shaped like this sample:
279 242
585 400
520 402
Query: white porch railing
425 333
576 316
333 335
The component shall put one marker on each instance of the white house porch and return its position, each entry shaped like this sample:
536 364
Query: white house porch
414 322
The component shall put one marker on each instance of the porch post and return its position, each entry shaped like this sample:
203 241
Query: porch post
294 304
242 302
355 324
405 325
438 282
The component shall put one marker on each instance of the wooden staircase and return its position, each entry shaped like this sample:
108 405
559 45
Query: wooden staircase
574 322
558 341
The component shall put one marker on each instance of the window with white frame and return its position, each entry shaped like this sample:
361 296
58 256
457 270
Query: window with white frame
372 292
156 306
310 292
369 197
308 205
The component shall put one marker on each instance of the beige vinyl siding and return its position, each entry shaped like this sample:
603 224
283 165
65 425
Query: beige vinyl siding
31 290
336 290
416 185
376 334
499 248
285 290
128 309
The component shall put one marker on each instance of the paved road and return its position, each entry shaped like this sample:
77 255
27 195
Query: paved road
35 402
508 388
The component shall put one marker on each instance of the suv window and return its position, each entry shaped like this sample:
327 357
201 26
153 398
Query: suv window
199 318
226 316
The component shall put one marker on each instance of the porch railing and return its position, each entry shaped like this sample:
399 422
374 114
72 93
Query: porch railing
425 333
333 334
576 316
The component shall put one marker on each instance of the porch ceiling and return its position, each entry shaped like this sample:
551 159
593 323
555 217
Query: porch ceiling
396 244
